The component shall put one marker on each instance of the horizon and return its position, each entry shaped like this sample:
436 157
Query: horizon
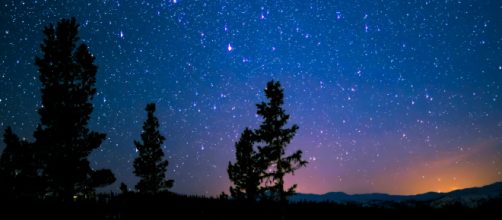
366 193
396 97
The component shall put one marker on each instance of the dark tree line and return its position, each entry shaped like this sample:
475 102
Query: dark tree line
55 166
259 174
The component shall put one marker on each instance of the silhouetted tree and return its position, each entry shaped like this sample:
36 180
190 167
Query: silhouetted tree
275 139
246 172
18 172
68 75
150 165
223 196
123 188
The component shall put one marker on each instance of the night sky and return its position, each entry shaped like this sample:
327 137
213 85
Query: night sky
399 97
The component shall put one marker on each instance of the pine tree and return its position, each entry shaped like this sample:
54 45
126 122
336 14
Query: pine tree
18 172
123 188
246 172
68 76
275 139
150 165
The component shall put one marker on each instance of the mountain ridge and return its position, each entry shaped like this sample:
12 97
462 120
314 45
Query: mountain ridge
470 197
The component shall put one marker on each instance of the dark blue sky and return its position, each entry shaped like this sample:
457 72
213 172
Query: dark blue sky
390 96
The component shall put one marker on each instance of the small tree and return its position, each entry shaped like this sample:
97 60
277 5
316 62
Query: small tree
150 165
18 172
275 139
245 172
123 188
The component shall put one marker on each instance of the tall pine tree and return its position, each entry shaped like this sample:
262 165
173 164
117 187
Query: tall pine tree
246 172
68 75
150 165
275 138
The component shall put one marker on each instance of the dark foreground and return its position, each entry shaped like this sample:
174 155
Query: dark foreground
169 206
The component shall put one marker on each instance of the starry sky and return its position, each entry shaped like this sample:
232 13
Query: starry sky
399 97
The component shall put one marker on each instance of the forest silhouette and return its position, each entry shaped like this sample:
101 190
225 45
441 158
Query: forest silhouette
52 176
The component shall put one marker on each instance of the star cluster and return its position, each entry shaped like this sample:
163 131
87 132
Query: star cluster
390 96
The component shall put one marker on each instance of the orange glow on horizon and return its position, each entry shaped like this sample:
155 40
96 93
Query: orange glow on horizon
420 174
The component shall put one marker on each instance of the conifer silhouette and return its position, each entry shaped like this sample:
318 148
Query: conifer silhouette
260 174
123 188
62 138
274 139
150 165
18 171
246 172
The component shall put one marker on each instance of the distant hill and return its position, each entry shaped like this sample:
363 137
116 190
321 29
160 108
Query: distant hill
469 197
